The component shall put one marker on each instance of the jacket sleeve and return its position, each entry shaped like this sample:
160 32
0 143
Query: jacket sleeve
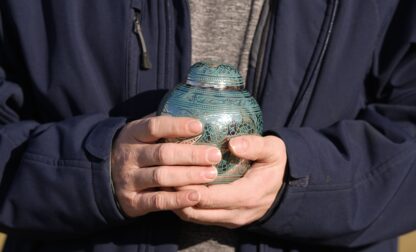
54 177
353 183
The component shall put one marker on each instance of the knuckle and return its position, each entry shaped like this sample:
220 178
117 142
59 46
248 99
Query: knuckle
124 198
128 132
131 201
163 153
127 176
128 128
158 176
123 179
194 156
158 154
178 201
158 201
127 203
153 126
207 202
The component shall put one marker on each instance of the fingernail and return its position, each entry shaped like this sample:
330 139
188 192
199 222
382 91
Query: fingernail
212 173
195 126
214 155
193 196
239 145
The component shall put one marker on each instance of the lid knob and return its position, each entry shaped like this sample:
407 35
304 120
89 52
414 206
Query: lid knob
214 75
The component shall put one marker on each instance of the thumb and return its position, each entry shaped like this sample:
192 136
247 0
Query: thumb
257 148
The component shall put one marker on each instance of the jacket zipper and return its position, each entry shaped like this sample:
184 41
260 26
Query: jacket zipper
145 58
296 115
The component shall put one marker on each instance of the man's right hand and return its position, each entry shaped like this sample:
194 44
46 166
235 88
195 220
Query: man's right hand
141 167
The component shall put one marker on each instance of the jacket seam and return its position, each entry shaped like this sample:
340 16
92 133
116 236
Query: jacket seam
82 164
60 166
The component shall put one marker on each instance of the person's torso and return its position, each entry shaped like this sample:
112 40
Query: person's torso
75 57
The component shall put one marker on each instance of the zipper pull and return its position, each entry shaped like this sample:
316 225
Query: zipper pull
145 59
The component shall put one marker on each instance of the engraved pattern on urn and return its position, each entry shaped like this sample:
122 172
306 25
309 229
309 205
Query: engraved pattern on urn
214 93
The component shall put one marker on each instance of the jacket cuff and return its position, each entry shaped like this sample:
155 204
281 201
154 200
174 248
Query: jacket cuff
98 144
278 220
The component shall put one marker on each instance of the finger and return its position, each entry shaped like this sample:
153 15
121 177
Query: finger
154 128
217 217
173 176
191 187
178 154
226 196
257 148
161 200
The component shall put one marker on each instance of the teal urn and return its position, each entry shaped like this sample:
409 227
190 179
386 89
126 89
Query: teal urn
215 94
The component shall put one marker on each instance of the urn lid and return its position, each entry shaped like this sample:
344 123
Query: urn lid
214 75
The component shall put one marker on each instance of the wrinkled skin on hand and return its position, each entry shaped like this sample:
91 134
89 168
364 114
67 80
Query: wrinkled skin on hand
247 199
142 169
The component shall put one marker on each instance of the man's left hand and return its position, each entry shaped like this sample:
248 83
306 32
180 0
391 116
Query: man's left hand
247 199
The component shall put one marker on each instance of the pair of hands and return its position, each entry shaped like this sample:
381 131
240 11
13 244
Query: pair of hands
150 176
